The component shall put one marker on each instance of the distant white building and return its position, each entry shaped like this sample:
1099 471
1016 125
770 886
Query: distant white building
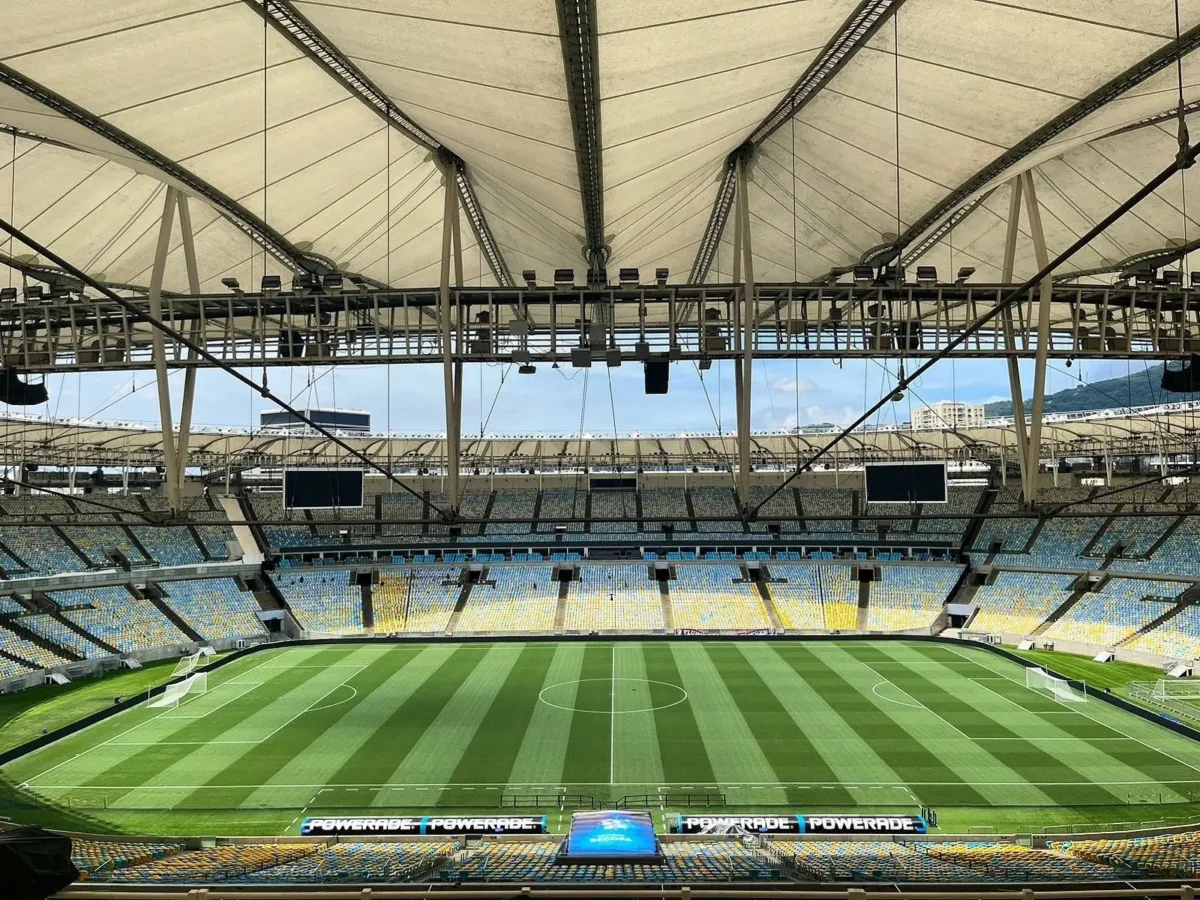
948 414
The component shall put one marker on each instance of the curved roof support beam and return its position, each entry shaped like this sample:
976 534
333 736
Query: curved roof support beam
859 28
247 222
308 39
577 30
964 193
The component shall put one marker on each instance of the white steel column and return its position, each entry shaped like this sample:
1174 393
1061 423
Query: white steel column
189 373
1033 213
158 351
449 214
1014 368
749 317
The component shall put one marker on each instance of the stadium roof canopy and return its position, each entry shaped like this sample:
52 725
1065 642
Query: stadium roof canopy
315 134
1144 431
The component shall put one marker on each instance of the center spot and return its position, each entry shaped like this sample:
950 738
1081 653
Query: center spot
628 695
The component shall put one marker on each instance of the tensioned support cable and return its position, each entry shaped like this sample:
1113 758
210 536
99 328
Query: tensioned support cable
1185 159
200 351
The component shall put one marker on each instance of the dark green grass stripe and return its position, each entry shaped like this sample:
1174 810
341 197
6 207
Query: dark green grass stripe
684 759
906 755
785 746
588 746
493 750
1148 760
395 737
270 757
141 765
1030 760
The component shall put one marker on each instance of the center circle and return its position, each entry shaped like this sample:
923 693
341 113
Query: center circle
626 690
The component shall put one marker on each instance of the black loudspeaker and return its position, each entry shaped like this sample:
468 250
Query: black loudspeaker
658 376
35 863
16 392
1185 380
291 345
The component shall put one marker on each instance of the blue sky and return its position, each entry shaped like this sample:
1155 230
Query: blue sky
550 401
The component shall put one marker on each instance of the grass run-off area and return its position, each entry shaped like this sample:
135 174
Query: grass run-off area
766 725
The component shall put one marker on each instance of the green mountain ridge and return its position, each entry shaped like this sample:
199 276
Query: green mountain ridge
1138 389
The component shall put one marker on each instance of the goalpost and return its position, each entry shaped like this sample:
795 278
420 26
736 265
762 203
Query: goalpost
186 665
1176 689
1059 689
174 693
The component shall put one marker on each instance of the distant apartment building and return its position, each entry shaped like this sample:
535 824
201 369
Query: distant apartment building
948 414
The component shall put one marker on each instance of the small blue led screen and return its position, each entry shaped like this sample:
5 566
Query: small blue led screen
610 834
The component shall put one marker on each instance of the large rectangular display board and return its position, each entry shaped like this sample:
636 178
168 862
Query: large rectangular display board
611 835
329 826
757 823
918 482
322 488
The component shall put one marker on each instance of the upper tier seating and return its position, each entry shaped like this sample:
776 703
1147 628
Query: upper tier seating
782 504
827 502
415 600
269 508
169 545
402 505
53 630
1114 612
323 602
1179 554
614 598
705 597
959 501
907 597
562 503
1018 602
665 502
214 607
512 505
523 598
216 536
118 618
40 548
719 502
614 504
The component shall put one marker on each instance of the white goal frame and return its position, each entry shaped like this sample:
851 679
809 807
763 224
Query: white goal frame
186 665
173 694
1176 689
1040 680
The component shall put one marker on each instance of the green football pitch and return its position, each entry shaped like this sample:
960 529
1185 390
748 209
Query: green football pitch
804 726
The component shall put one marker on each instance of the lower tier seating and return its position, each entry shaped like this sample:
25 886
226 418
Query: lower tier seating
415 600
214 607
909 597
323 602
118 618
614 598
521 598
705 597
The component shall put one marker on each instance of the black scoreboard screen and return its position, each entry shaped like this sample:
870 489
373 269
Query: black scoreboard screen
923 482
322 488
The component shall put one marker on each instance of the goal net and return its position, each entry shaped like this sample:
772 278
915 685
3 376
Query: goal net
1059 689
1177 689
186 665
173 695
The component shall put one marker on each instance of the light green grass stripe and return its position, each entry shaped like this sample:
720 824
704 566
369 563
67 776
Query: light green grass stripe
848 755
636 758
83 757
176 781
438 751
966 759
326 753
543 750
1176 746
731 746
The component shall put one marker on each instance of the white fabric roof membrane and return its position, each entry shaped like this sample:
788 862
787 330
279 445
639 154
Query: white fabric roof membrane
216 90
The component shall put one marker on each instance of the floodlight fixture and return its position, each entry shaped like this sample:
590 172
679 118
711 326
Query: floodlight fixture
1172 278
8 295
332 282
232 284
303 284
963 274
530 276
359 282
661 276
564 278
926 276
628 278
863 275
33 293
527 369
1144 278
271 285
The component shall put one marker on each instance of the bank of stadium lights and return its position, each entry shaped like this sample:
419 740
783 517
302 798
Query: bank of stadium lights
271 285
926 276
963 274
232 284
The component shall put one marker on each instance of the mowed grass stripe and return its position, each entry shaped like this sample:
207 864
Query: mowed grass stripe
543 751
680 746
890 729
121 759
728 740
637 757
785 746
1109 760
171 781
968 706
494 747
313 756
437 753
394 736
844 755
588 757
